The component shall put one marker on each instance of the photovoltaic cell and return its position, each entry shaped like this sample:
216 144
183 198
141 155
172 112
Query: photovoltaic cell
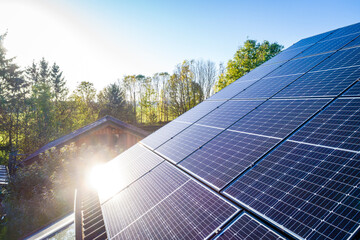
233 110
186 142
171 206
199 111
299 65
165 133
125 169
354 43
336 126
287 54
229 92
222 159
247 227
353 91
266 87
345 31
311 40
328 45
321 83
343 58
126 206
310 190
259 72
278 118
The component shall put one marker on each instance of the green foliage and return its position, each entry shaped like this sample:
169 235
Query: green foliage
111 101
84 105
246 58
41 192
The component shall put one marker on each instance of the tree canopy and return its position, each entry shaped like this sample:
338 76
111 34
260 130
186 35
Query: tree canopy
246 58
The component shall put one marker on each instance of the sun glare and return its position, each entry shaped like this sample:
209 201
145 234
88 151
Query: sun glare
102 178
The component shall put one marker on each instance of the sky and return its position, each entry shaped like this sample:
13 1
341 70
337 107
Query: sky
100 41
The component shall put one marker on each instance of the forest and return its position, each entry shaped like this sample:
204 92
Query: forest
36 107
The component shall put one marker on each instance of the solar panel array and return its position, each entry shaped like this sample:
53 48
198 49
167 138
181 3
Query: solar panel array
275 155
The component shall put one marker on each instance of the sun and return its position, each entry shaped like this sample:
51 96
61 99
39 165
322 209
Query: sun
105 179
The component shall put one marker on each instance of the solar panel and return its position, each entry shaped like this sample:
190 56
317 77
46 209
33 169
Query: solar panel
165 133
171 206
354 28
278 118
186 142
354 43
229 92
126 168
354 90
266 87
311 40
328 45
233 110
247 227
329 83
259 72
309 190
299 65
287 54
282 142
225 157
199 111
336 126
343 58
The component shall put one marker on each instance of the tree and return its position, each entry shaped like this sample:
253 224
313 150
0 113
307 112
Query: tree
184 92
246 58
13 90
205 74
58 83
44 73
129 83
84 97
112 102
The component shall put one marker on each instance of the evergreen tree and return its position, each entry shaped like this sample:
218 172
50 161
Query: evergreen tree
58 83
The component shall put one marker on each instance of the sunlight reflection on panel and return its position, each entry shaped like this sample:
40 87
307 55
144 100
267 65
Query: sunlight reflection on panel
109 179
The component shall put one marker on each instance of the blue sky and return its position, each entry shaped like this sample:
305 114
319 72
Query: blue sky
100 41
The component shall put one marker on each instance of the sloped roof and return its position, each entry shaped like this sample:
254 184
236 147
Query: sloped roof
85 129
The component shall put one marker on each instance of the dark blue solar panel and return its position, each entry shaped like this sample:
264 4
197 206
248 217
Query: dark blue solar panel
322 83
278 118
226 156
336 126
231 91
247 227
259 72
354 90
130 165
354 28
311 40
354 43
186 142
344 58
302 188
287 54
153 187
163 134
299 65
165 204
328 45
199 111
266 87
233 110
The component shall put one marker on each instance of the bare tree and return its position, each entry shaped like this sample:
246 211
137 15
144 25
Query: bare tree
205 74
